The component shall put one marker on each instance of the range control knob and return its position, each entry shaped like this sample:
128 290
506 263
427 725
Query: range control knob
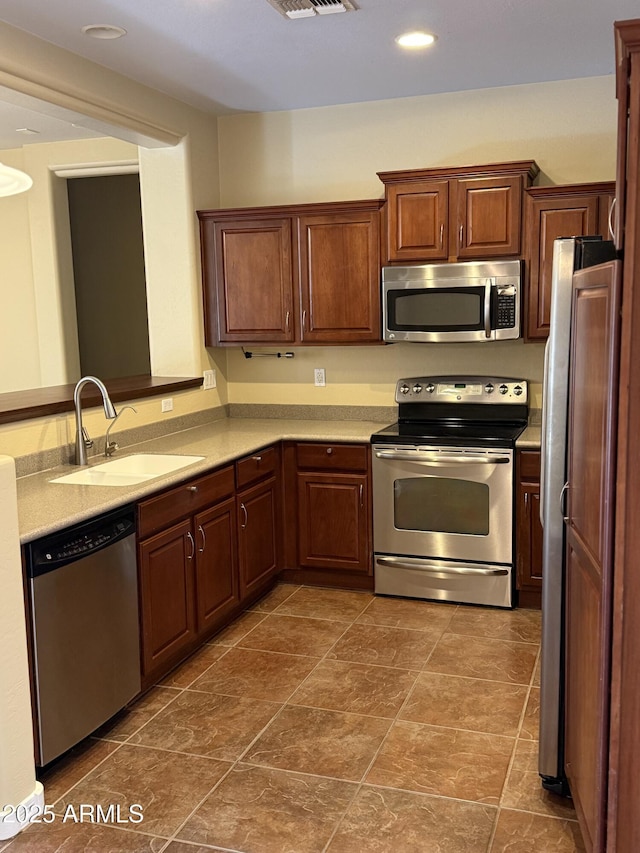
503 389
417 388
431 388
404 389
489 388
517 390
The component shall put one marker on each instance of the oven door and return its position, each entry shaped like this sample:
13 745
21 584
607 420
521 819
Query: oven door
449 503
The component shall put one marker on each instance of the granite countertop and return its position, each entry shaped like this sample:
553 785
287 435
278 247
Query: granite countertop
45 507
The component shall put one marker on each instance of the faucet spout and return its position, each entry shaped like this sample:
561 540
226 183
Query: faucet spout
82 438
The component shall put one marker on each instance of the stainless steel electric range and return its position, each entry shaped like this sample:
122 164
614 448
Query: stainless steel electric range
443 489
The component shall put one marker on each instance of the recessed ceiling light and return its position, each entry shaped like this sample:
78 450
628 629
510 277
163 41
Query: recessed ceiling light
415 39
103 31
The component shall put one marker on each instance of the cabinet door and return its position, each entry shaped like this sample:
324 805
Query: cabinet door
216 565
251 282
489 217
333 521
257 536
340 277
593 397
529 539
547 219
417 221
167 597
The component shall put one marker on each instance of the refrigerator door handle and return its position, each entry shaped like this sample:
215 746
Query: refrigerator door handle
543 431
563 507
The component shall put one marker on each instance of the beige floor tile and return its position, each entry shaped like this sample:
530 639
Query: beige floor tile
466 703
259 810
516 625
238 629
167 786
524 791
536 674
531 722
72 767
287 634
323 743
520 832
408 613
184 847
358 688
72 837
385 821
495 660
384 646
124 724
274 598
320 603
207 724
195 666
253 674
444 762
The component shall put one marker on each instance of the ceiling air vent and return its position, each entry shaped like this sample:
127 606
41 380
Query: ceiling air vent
309 8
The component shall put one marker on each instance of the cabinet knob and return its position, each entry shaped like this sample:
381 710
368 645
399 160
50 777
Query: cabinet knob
257 458
192 488
329 451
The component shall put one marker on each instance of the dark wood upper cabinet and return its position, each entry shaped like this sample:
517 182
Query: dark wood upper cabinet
450 214
557 211
292 274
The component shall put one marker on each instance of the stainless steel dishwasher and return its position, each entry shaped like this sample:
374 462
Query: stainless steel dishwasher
83 593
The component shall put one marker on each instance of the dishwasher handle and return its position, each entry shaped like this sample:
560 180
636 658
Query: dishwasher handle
77 542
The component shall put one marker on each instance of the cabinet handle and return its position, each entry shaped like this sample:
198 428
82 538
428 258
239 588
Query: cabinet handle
611 231
329 451
257 458
460 236
304 320
286 320
361 495
526 501
204 539
246 516
193 547
192 488
441 234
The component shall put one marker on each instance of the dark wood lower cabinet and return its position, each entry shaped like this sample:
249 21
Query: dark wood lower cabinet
257 536
167 598
528 529
217 585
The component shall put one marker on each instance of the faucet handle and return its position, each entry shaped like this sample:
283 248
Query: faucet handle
88 442
110 448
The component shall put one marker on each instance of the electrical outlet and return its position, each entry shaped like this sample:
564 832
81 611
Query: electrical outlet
167 405
319 376
209 379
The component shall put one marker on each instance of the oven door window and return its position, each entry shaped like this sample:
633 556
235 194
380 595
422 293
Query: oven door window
441 309
441 505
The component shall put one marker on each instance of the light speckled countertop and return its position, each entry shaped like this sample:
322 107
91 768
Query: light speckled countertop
45 507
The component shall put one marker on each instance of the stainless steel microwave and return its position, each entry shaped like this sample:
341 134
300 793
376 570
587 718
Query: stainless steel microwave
471 301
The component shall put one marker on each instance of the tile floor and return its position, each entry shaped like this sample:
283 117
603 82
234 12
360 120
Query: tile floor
325 720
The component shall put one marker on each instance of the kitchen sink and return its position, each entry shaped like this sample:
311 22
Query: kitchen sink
128 470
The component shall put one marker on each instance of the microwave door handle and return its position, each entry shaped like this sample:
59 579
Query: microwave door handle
487 308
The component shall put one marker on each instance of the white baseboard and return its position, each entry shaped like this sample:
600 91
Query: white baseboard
18 817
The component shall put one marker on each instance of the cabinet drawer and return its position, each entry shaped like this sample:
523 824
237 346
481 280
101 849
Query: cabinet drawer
333 457
256 466
529 464
190 497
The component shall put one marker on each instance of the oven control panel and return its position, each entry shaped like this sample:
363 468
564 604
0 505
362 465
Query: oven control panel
462 389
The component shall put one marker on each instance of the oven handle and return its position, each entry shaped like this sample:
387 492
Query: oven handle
438 571
418 456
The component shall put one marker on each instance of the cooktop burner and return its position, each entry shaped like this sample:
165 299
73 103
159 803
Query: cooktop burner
481 411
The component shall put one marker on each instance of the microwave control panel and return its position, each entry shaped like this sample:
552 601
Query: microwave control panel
505 307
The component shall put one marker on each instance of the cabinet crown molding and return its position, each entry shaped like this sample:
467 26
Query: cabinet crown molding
288 210
560 190
529 168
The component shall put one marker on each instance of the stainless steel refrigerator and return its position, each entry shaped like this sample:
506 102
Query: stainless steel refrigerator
569 254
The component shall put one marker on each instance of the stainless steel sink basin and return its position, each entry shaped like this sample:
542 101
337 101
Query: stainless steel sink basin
128 470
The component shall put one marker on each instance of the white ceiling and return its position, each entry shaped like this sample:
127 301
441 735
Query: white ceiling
242 55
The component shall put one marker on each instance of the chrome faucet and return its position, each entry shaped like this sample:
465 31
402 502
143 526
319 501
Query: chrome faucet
82 437
110 447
